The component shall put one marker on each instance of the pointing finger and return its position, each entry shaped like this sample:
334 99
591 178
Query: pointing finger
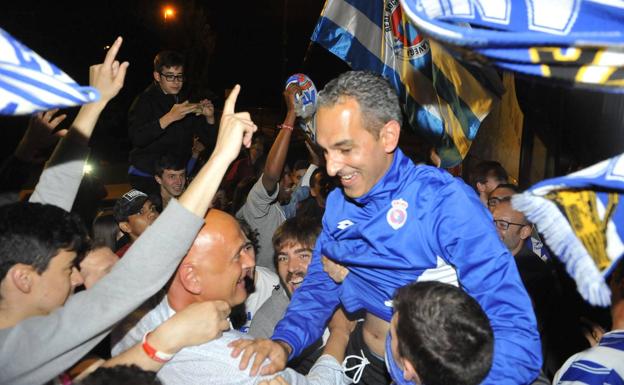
230 102
112 52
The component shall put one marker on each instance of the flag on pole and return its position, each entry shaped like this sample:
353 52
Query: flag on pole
575 42
582 220
443 99
29 83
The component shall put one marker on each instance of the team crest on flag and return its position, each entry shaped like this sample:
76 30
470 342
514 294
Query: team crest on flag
444 100
401 36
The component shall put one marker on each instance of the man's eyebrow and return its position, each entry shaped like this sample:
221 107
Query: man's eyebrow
346 142
244 245
303 250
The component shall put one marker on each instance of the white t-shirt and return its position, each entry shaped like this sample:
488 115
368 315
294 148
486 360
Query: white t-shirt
266 281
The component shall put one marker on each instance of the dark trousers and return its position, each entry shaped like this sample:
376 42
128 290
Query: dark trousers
375 372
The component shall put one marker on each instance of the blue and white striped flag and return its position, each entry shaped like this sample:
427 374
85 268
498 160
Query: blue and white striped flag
576 42
29 83
444 100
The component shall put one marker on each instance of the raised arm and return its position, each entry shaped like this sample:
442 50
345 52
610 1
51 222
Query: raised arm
59 182
146 267
279 150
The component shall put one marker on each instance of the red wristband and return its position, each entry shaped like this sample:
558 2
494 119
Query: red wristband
285 126
153 353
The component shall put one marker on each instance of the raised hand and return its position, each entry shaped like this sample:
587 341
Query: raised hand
197 148
179 111
108 77
207 109
39 135
234 128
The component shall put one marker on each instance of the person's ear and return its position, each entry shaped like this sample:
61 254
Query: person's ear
189 278
389 135
526 231
23 277
158 179
156 76
481 187
125 227
409 373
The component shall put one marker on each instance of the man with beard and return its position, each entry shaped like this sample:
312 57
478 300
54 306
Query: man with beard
293 243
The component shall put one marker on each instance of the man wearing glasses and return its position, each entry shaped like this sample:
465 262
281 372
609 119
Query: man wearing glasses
539 278
162 121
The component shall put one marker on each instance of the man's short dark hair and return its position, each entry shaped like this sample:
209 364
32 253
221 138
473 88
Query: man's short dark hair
377 99
486 168
34 233
121 375
300 230
167 59
168 162
301 164
509 186
443 333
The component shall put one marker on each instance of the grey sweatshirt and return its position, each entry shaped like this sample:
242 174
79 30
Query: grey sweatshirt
39 348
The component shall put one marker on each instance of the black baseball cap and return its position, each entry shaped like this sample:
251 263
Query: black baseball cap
129 204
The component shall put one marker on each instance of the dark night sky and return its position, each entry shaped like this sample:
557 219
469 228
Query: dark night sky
255 43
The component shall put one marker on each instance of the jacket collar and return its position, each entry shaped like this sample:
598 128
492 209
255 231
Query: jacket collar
391 180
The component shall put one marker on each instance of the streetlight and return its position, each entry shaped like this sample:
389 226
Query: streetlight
169 13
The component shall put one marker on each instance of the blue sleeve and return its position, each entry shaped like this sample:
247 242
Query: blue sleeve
190 165
466 238
311 306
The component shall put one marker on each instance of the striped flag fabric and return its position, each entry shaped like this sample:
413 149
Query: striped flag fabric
29 83
444 100
575 42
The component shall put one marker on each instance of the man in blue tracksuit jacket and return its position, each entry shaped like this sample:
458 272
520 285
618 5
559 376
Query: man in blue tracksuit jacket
393 223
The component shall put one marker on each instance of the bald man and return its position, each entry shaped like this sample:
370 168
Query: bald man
215 269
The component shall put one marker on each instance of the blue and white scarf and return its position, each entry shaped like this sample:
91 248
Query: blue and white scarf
582 223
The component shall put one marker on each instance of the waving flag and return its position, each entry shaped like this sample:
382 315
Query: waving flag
29 83
582 220
444 100
576 42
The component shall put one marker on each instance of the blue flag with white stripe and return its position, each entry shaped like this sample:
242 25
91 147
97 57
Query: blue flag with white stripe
575 42
29 83
443 99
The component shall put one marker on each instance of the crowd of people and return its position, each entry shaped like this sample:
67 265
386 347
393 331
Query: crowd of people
227 264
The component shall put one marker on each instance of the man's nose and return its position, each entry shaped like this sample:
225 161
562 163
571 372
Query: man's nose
76 278
332 164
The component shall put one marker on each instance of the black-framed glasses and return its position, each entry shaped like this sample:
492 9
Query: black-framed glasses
171 78
494 201
504 225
